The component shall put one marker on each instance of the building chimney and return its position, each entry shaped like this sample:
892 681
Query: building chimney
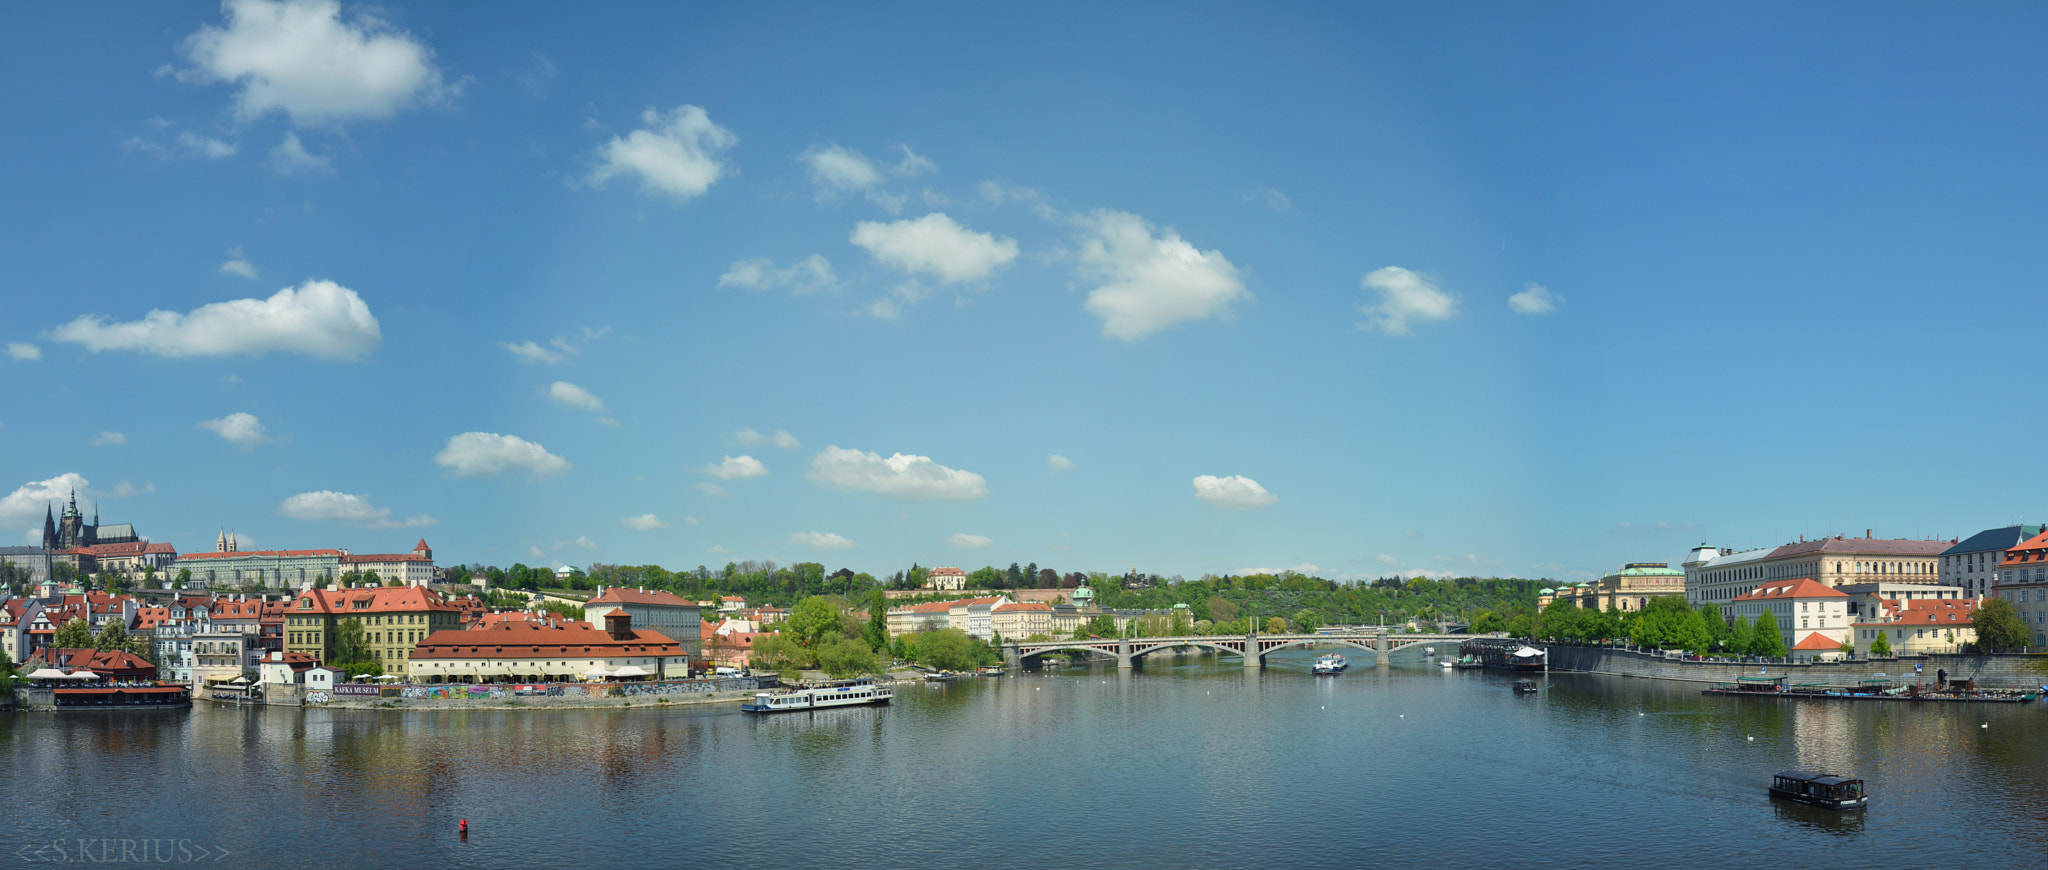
1868 534
619 624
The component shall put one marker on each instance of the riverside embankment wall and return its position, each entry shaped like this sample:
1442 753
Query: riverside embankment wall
1989 671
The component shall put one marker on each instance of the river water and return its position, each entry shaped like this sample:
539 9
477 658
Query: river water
1184 763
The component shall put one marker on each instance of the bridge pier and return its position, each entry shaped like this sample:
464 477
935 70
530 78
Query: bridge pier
1252 659
1124 660
1379 650
1012 660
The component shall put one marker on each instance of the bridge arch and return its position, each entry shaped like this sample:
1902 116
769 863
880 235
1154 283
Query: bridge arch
1139 649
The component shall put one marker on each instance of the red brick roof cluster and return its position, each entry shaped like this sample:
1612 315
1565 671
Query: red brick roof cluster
379 599
1778 590
111 664
1928 612
622 595
514 640
1023 606
2035 549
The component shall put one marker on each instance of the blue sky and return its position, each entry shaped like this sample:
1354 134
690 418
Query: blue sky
1499 290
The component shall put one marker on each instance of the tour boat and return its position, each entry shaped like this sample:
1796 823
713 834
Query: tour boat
1525 687
835 693
1819 790
1469 662
1331 665
944 676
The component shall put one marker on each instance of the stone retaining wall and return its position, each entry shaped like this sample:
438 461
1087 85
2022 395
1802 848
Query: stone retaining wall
2009 671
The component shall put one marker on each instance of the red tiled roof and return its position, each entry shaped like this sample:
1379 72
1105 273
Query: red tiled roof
1022 606
732 597
946 571
1818 641
381 557
381 599
513 640
1928 612
944 606
103 662
274 553
422 545
621 595
2033 550
1863 546
1778 590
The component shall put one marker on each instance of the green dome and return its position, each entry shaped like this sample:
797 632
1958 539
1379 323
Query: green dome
1547 591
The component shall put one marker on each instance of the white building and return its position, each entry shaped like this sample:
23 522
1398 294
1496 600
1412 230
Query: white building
1803 608
1719 576
2023 580
946 579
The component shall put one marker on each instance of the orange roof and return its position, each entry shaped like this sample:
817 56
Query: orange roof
1818 641
381 557
516 640
943 606
422 545
1024 605
946 571
2034 549
1778 590
621 595
381 599
1951 612
732 597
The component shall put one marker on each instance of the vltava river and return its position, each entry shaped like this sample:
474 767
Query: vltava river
1183 764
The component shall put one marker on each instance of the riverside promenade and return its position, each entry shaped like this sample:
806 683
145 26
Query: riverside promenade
2005 671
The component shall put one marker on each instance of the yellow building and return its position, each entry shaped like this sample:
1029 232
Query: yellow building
394 619
1916 627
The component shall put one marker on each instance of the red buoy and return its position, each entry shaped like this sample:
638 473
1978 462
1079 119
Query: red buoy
465 829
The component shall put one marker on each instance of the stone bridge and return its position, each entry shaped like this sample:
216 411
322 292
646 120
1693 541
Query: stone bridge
1253 647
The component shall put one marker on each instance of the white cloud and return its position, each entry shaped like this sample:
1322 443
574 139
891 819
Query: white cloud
891 307
109 438
241 429
1304 568
900 475
24 351
821 540
1059 463
1235 493
970 541
836 171
736 468
677 156
1534 299
124 489
709 488
1404 296
317 318
1272 199
207 147
574 396
527 351
781 438
236 265
718 548
1387 560
291 157
644 523
476 454
809 275
300 58
935 245
1148 282
340 507
35 497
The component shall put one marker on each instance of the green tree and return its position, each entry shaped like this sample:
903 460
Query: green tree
112 637
842 657
74 634
350 645
946 649
1103 625
63 573
877 631
184 577
1767 639
1522 626
8 679
1560 620
1999 628
1276 625
813 617
1882 645
1488 622
1221 609
1740 636
149 580
780 653
1716 624
1306 621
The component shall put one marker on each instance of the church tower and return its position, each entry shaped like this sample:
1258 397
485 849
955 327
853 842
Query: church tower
49 528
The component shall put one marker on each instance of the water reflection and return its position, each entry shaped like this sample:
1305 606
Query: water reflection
1801 816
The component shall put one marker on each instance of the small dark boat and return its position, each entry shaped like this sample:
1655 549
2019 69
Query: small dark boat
1525 687
1823 790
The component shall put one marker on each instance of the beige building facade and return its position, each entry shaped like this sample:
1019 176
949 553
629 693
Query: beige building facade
1720 576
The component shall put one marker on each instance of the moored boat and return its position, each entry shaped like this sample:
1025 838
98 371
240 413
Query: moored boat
1467 663
944 676
1331 665
1525 687
1823 790
833 693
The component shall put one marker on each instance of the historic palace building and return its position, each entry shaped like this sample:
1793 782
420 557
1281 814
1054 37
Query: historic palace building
1720 576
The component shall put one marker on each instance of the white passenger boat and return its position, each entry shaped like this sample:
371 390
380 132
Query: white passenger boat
1331 665
837 693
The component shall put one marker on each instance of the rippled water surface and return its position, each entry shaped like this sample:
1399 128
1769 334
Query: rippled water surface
1182 763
